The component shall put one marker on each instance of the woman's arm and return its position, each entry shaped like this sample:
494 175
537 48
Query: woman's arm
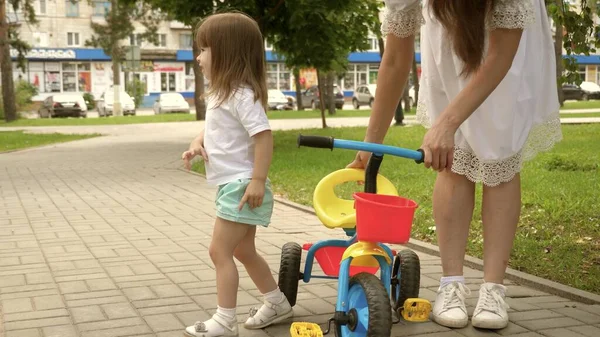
503 45
393 75
438 143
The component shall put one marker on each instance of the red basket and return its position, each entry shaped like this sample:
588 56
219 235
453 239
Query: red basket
383 218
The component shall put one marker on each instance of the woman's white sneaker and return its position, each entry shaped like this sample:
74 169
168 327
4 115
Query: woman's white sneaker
449 308
490 312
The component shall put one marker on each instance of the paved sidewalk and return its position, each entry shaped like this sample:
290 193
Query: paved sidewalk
108 237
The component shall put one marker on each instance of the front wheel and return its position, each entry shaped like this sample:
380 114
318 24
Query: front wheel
369 309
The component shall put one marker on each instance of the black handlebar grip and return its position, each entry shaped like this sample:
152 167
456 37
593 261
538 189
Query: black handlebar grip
316 141
420 161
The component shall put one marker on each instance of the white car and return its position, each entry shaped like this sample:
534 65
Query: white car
106 102
278 101
171 102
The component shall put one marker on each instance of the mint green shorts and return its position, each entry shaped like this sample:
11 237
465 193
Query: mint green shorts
228 200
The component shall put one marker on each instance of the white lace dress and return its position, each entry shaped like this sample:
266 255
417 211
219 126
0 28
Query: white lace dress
519 119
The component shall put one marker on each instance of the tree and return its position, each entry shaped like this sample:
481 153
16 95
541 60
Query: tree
576 33
321 34
119 26
190 13
9 37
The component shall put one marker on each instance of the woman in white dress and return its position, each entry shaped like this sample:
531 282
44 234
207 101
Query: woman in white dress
488 97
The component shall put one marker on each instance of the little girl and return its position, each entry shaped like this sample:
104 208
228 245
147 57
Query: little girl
236 145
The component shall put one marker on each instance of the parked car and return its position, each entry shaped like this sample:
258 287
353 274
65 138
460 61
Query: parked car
591 90
310 97
63 105
278 101
364 95
572 92
106 102
171 102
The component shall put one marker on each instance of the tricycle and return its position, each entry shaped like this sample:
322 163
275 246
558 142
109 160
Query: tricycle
376 217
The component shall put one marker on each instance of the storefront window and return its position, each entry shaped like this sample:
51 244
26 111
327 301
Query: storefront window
69 77
51 77
85 77
278 76
349 78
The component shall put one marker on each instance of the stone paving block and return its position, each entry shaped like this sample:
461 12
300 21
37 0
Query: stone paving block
17 305
96 301
579 315
587 330
100 284
511 329
518 304
60 331
182 277
24 333
470 331
48 302
527 334
113 323
87 314
167 290
560 332
119 271
118 310
73 287
549 323
134 330
531 315
12 280
412 329
92 294
163 322
22 316
37 323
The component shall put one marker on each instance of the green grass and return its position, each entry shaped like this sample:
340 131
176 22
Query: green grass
102 121
559 233
580 115
15 140
595 104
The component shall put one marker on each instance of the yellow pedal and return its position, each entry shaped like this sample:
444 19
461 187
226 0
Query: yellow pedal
416 310
305 329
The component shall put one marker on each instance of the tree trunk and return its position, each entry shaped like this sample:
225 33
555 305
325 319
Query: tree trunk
320 86
116 59
415 79
558 43
330 97
199 102
8 87
299 104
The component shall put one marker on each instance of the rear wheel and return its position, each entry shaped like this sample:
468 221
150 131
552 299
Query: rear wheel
289 271
406 277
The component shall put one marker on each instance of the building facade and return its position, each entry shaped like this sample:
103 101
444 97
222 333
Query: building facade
60 61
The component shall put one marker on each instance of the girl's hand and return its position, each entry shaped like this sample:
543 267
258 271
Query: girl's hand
255 191
188 155
438 147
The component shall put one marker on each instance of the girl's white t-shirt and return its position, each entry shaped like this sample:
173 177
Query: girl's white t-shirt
228 132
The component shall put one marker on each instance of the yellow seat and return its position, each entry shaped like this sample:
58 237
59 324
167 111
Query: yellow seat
335 212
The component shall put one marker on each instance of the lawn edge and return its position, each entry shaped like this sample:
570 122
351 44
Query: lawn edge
38 147
519 277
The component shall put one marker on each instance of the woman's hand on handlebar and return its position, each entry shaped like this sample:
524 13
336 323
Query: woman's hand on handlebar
361 160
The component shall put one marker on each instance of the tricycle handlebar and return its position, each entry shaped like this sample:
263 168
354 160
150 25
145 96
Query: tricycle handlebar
377 149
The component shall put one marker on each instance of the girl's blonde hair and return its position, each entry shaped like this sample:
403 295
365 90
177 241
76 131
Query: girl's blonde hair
237 55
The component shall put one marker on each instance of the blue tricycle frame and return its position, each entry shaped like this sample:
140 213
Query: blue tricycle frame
352 299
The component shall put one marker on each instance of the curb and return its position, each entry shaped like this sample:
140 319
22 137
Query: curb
519 277
522 278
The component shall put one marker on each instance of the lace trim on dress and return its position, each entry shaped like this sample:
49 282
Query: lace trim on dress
512 14
403 22
542 137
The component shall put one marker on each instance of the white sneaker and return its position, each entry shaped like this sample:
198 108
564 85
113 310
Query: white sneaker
490 312
268 314
449 309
